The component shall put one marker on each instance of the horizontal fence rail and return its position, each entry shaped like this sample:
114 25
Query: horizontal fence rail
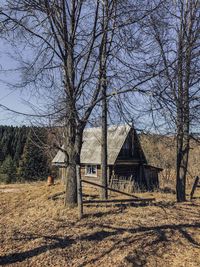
81 201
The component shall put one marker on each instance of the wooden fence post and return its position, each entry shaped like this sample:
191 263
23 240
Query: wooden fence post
79 192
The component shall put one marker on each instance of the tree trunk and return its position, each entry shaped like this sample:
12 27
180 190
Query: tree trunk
103 83
104 178
73 143
182 148
180 170
71 185
182 164
183 108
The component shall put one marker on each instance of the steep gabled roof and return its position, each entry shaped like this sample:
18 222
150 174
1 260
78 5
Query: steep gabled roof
91 148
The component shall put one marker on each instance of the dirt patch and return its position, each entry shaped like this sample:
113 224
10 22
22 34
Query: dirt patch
10 190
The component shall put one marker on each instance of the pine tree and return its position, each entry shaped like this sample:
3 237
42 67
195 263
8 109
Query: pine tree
34 162
8 172
22 150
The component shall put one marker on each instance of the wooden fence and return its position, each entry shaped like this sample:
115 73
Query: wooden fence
81 202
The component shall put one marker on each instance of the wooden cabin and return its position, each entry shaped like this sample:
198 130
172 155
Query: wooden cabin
126 159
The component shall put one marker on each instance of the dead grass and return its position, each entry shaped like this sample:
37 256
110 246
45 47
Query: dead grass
35 231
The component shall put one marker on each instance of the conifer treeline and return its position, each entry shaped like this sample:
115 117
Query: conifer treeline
22 154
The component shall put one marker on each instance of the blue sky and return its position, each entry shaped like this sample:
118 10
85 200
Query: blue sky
13 97
16 99
10 96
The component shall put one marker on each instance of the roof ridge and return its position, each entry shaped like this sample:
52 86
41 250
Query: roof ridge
109 126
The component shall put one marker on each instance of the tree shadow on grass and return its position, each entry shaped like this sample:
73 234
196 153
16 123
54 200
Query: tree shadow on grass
146 239
122 206
139 256
193 198
17 257
100 214
98 236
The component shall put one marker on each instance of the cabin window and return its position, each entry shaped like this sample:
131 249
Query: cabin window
91 170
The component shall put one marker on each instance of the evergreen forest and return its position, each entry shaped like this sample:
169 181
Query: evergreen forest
22 154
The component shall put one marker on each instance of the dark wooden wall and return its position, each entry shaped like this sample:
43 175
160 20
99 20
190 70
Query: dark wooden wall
146 178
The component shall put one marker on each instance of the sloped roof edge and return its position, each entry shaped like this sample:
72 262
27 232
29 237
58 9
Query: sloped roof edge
91 148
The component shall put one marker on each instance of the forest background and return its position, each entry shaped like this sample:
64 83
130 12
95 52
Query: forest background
26 153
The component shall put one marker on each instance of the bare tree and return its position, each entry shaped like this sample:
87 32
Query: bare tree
176 32
58 45
109 8
119 41
64 43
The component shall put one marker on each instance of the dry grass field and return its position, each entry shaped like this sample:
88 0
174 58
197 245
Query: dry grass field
35 231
